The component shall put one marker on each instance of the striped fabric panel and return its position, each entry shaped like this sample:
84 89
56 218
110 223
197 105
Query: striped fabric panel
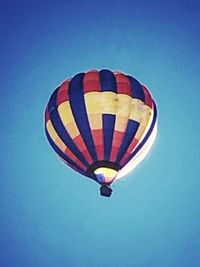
134 117
141 113
91 82
92 89
108 128
137 90
67 118
148 99
138 143
59 143
63 155
123 83
58 125
122 112
143 121
77 103
62 94
114 112
128 137
100 88
97 116
108 105
107 81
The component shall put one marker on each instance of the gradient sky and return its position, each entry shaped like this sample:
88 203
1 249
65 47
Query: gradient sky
50 215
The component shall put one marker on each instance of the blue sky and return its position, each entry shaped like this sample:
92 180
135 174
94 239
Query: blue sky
51 216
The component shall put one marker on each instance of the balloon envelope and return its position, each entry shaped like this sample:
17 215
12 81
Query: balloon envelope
101 124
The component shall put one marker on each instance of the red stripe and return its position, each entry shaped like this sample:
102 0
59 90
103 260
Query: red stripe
74 158
62 94
100 152
114 153
129 151
91 82
117 138
82 147
132 145
116 144
123 161
99 144
147 96
123 84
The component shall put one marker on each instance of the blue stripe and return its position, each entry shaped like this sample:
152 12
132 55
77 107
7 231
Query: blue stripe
108 83
136 89
107 80
61 154
108 127
76 98
146 136
52 101
131 130
60 129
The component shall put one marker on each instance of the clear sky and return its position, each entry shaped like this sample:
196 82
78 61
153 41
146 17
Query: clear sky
50 215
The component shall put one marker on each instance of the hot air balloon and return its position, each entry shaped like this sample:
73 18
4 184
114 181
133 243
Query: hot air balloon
101 124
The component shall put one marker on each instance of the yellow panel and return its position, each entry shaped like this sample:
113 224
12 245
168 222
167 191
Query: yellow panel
54 136
123 105
51 130
65 113
67 118
72 130
108 102
136 109
95 121
121 123
93 102
145 115
140 112
101 102
60 144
